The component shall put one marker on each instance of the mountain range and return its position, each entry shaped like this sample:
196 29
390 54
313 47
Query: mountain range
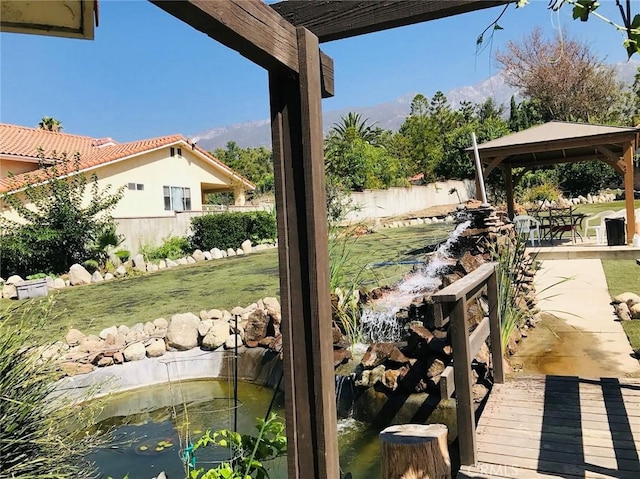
389 115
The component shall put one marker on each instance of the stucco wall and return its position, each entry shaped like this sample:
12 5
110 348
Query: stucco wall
16 167
398 201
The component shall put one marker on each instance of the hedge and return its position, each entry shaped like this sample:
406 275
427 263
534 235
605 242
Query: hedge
229 230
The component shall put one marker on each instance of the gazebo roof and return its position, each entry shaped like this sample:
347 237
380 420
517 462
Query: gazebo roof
558 142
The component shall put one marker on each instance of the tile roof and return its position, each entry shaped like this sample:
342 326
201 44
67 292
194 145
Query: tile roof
23 142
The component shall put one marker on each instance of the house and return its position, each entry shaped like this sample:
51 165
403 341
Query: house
166 179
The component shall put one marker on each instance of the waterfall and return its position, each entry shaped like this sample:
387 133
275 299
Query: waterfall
379 323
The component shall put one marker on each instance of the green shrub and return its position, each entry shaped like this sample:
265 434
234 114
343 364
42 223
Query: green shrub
173 247
229 230
37 276
548 192
91 265
123 254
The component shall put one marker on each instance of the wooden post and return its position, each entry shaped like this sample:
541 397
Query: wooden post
495 329
508 183
628 191
462 376
415 451
296 118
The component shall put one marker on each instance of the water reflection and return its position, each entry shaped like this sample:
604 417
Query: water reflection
151 427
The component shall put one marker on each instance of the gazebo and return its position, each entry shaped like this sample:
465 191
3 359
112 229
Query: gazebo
563 142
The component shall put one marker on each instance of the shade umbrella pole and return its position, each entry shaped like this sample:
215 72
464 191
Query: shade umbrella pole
476 155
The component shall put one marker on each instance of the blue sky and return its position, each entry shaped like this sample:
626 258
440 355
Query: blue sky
147 74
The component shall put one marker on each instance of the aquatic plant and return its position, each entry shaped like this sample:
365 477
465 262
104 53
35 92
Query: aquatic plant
248 452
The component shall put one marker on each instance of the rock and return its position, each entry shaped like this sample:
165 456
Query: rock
123 330
96 277
256 327
152 268
149 328
231 252
340 356
435 368
74 336
415 380
134 352
371 376
216 336
635 311
90 346
470 262
198 255
49 281
58 283
162 475
214 314
216 253
224 253
183 261
204 315
622 310
108 331
232 341
139 263
14 279
378 353
190 260
391 378
479 392
246 247
237 311
108 277
78 275
105 361
273 308
629 298
204 326
118 357
170 263
120 271
207 256
156 348
161 323
239 252
9 291
261 247
182 333
75 369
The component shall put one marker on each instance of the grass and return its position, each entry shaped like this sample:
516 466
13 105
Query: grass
595 208
221 284
624 275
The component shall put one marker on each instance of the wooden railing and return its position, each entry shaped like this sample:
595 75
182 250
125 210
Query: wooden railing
451 306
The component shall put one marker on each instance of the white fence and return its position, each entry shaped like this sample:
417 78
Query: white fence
373 204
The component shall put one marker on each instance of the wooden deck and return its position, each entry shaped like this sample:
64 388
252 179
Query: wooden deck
559 426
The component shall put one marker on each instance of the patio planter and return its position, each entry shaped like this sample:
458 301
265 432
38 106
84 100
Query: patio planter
32 288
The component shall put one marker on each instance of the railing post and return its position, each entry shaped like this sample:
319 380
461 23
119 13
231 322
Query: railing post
495 332
462 376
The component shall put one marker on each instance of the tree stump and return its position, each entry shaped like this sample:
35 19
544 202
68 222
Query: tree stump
414 451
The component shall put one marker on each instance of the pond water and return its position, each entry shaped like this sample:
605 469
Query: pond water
150 428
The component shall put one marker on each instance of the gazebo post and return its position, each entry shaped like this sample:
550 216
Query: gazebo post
628 191
508 183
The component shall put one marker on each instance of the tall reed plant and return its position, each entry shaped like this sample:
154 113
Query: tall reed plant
36 438
510 261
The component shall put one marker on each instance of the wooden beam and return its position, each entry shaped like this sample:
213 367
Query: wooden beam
463 286
492 165
552 161
618 165
628 191
304 267
333 20
249 27
607 152
508 184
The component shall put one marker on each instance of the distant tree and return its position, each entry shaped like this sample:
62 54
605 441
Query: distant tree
63 215
49 123
565 79
255 164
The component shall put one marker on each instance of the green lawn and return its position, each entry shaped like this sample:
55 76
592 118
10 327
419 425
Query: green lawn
221 284
624 275
595 208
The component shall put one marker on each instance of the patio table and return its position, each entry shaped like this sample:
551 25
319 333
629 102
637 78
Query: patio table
555 222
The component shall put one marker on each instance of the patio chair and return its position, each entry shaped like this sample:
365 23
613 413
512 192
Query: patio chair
596 223
528 225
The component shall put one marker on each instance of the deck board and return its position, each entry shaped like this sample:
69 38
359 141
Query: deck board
559 427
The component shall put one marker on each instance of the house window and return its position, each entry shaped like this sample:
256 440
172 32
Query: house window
135 186
177 198
172 150
180 152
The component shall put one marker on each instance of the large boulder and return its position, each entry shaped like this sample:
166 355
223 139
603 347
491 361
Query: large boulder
96 277
216 253
182 333
257 325
246 247
58 283
135 352
9 291
14 279
216 335
113 330
139 263
74 336
120 271
198 255
78 275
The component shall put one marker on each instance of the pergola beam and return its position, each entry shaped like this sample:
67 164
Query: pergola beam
334 19
252 29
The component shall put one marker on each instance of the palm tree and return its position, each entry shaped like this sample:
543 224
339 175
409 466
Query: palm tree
49 123
352 127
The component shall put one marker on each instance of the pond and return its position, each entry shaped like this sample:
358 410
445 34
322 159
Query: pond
150 428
